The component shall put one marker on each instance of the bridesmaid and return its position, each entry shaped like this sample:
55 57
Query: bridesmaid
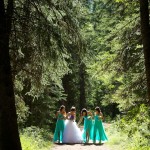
98 128
60 124
87 129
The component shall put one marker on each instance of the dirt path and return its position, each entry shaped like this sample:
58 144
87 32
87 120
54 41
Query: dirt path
80 147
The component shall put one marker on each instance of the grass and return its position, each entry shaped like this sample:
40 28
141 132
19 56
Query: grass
121 136
121 140
33 138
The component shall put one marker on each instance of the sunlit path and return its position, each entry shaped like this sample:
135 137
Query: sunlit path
81 147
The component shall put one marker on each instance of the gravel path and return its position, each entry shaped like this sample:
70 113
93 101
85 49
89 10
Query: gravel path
80 147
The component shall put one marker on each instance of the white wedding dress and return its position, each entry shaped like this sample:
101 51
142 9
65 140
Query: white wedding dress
72 133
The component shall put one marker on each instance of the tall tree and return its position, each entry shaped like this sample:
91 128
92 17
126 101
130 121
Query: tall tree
82 85
145 29
45 35
9 136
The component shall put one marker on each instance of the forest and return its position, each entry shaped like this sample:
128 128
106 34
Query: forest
82 53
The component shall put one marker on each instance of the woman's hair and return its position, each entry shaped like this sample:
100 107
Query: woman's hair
83 110
98 109
62 107
73 108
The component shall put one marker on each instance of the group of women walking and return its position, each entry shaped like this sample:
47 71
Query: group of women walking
67 130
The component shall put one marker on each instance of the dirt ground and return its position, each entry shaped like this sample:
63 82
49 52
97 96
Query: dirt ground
80 147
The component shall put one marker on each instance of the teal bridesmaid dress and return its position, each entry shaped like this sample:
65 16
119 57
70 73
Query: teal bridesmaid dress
87 128
98 130
60 125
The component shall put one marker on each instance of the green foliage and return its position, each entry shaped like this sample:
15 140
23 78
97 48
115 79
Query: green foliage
132 131
61 49
96 28
44 37
22 111
116 70
115 61
33 138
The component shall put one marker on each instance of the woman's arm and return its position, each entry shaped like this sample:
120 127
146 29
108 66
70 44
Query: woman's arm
81 118
68 114
57 114
65 115
75 117
90 115
101 116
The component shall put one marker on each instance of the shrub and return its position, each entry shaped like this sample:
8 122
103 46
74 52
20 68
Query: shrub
132 131
33 138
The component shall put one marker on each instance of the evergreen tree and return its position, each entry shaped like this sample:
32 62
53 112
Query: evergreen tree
145 29
8 118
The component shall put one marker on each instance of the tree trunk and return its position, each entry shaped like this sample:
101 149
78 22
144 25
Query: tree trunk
82 85
67 85
145 29
9 136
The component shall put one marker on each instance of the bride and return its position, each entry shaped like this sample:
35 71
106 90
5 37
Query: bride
72 133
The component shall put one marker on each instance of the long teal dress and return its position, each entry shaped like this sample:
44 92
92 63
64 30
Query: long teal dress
60 125
87 128
98 130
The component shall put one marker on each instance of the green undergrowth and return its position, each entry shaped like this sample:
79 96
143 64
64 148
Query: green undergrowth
131 133
34 138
